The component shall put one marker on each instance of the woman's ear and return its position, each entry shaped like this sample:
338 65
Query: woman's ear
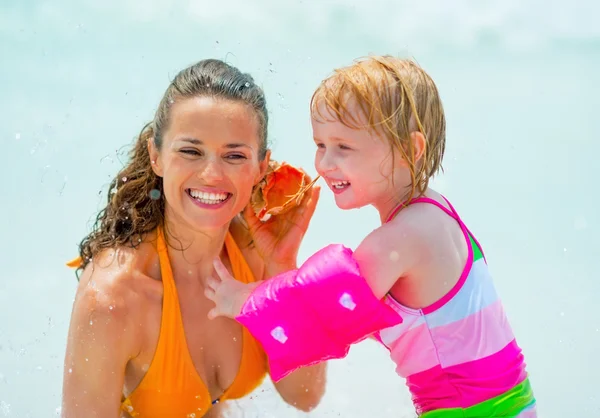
264 165
154 158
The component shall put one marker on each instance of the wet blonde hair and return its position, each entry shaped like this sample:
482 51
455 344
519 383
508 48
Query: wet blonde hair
395 97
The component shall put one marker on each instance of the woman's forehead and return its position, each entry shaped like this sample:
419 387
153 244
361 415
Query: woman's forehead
208 120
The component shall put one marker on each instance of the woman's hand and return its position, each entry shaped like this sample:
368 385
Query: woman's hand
278 239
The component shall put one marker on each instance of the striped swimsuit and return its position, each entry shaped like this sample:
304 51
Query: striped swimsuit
459 356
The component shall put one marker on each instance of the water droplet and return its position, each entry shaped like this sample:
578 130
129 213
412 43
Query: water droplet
70 370
124 179
86 359
154 194
394 256
347 302
5 408
110 307
91 322
107 158
279 334
565 250
234 339
38 368
17 136
247 84
129 408
562 314
192 415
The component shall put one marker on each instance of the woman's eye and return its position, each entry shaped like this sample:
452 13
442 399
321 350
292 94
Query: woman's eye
190 152
236 157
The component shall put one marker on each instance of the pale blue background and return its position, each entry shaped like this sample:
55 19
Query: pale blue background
520 81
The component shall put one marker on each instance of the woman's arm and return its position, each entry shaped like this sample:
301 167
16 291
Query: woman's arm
102 338
303 388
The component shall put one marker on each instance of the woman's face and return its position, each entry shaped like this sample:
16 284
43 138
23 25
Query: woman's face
209 161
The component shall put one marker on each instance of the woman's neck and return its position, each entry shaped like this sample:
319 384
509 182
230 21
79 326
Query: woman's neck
191 252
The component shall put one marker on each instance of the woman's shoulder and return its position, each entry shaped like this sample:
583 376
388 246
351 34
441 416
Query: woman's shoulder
122 279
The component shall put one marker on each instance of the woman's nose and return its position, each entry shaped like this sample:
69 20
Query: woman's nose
212 171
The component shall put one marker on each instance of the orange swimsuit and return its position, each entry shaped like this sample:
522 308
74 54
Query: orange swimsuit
171 386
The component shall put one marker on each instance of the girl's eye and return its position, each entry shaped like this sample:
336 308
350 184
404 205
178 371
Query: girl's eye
320 145
344 147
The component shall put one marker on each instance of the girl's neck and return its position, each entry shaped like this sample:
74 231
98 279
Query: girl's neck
398 200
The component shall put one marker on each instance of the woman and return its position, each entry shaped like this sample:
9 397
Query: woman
140 342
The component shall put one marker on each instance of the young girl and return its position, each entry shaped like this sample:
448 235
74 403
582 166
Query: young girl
379 127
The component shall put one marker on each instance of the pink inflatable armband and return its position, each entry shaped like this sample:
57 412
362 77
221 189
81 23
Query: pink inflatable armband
315 313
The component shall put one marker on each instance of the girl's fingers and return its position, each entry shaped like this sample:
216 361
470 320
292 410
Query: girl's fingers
212 283
210 293
221 269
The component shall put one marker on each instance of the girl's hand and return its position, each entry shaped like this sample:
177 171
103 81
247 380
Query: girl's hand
228 294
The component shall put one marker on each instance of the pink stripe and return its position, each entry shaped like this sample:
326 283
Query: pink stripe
479 335
468 384
414 351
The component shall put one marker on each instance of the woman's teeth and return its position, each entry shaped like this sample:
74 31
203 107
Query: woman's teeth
208 198
340 184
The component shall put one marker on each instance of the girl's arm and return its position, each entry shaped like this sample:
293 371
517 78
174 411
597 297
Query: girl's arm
388 254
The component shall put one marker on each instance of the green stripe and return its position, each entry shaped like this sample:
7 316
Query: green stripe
477 254
509 404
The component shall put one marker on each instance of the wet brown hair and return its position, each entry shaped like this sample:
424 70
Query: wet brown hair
136 204
396 97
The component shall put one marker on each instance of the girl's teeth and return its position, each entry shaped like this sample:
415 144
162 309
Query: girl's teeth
340 184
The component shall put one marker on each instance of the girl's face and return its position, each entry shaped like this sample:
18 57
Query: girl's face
359 166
